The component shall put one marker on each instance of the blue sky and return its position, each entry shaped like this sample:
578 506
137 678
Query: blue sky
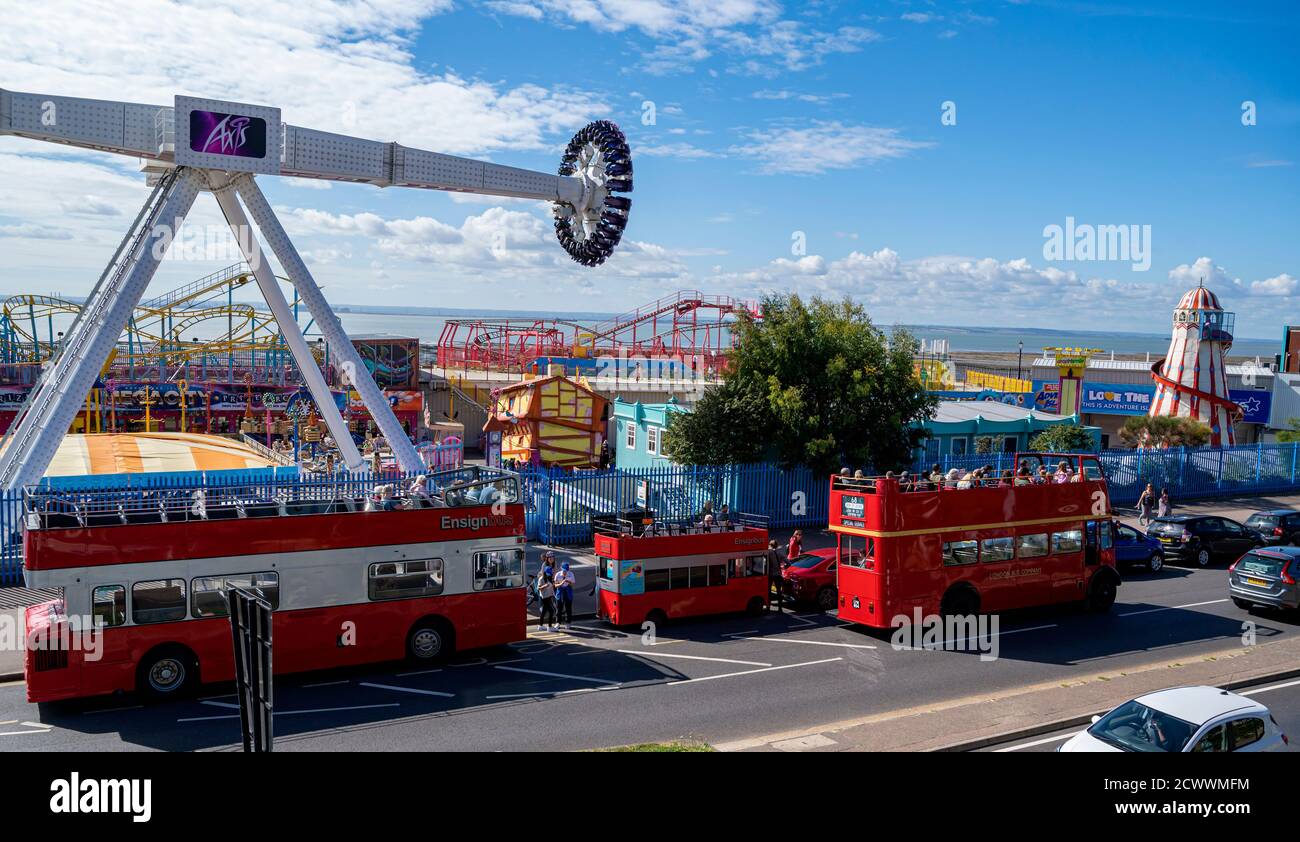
818 122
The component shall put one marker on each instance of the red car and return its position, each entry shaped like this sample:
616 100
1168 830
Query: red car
811 578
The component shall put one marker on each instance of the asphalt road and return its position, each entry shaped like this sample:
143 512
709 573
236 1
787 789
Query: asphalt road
719 680
1281 698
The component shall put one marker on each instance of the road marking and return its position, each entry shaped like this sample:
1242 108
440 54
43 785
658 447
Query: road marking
109 710
477 662
752 672
41 730
1043 741
329 683
692 658
779 639
418 672
292 712
1266 689
561 675
221 704
540 693
408 690
1172 607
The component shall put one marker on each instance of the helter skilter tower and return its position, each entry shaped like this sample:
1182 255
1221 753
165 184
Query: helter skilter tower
210 146
1192 380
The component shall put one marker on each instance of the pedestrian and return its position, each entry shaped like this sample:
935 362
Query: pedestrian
775 581
795 548
546 593
564 582
1145 504
1164 507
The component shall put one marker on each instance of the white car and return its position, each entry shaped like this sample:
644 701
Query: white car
1183 719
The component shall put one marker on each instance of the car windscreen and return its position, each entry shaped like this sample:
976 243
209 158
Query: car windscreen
1261 565
1167 527
806 561
1262 521
1135 727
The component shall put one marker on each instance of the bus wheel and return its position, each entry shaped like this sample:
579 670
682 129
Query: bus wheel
755 606
429 641
826 599
656 618
167 672
1101 593
961 601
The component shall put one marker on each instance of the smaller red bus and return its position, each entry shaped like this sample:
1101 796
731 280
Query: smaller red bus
652 571
963 551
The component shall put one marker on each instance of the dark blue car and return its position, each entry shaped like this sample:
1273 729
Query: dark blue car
1133 548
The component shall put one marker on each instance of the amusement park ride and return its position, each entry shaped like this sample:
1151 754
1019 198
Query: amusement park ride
216 146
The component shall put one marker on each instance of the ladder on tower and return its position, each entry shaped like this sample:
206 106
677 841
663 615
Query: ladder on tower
66 366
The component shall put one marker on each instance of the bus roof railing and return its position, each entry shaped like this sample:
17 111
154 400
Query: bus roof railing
45 507
1079 463
620 527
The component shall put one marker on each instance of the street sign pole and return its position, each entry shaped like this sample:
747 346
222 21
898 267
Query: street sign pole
250 629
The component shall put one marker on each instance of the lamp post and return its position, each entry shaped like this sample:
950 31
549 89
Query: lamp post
1020 355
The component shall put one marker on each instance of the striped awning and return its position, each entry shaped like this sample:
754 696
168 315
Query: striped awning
134 453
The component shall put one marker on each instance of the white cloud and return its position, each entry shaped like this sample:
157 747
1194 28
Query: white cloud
674 150
1278 285
920 17
823 146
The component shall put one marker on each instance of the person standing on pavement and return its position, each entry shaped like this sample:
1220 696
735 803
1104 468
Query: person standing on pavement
1164 507
775 581
795 548
546 593
564 582
1145 504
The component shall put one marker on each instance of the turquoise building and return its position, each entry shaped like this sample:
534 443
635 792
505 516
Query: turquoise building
638 436
958 424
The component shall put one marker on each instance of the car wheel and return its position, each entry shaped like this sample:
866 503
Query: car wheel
1202 557
826 599
167 673
1156 562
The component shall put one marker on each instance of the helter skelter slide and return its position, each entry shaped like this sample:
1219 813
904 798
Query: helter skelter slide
216 146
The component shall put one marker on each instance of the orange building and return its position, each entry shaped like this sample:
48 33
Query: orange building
549 420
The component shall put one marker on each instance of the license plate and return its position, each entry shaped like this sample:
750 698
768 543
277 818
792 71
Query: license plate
1259 583
1166 540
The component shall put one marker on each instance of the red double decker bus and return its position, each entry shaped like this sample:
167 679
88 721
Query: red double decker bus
962 551
651 571
351 579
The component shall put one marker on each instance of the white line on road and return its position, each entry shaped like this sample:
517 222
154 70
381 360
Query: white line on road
327 684
1266 689
560 675
1043 741
292 712
42 730
112 710
408 690
780 639
417 672
1173 607
691 657
752 672
221 704
540 693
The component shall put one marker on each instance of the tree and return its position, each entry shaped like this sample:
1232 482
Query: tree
814 384
986 444
1164 431
1291 435
1063 438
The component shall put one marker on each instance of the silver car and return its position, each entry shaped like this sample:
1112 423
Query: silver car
1266 577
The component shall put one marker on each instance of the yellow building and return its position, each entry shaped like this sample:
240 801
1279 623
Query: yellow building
551 420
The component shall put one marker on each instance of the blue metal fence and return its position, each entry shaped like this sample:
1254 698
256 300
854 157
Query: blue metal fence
559 503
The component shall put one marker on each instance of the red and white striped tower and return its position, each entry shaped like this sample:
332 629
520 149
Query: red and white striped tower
1192 381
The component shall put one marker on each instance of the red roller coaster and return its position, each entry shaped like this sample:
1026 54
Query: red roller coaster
687 324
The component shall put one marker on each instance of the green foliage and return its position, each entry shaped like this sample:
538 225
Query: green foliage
1291 435
1063 438
815 384
987 444
1164 431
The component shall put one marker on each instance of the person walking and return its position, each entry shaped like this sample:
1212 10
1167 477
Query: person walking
1145 504
1164 507
564 583
795 548
546 593
775 581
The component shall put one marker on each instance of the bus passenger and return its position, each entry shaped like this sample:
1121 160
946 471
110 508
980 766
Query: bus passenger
936 476
1022 476
1062 472
1042 478
1006 479
546 593
724 515
953 478
967 480
418 493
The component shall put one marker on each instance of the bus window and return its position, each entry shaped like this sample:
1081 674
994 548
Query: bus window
605 569
699 577
960 552
854 554
208 598
498 569
1032 546
108 605
404 579
1107 533
756 565
1092 469
159 601
656 580
998 549
717 575
679 577
1070 541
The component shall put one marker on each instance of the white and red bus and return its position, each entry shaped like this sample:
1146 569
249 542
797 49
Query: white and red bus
652 571
962 551
352 580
